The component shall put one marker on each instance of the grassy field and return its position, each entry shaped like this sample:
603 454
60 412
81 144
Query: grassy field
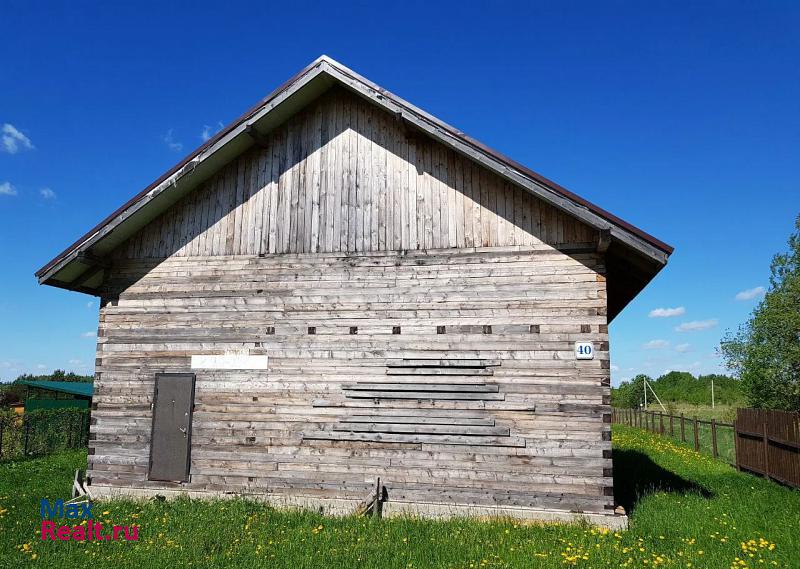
725 435
687 510
725 413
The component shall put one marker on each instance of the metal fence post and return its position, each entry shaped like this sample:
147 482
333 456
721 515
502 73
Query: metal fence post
27 422
714 438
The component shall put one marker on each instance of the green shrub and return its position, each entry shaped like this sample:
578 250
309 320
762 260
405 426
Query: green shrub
42 432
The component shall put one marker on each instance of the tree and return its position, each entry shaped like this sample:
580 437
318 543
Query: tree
57 375
765 351
630 394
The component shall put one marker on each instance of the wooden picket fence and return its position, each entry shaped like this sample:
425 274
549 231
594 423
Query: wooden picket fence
760 441
710 436
768 443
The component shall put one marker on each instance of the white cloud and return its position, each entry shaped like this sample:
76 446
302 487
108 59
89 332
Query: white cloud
11 367
209 131
614 367
171 143
88 334
667 312
41 366
13 140
655 345
90 304
47 194
75 362
695 325
683 348
750 293
6 189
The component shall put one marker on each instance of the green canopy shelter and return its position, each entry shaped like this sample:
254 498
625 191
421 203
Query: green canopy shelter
57 394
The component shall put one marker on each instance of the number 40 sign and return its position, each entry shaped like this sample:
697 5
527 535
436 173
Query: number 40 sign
584 351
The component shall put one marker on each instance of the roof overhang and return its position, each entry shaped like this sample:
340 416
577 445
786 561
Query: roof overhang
78 388
80 266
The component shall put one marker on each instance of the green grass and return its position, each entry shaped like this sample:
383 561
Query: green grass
687 510
726 450
724 413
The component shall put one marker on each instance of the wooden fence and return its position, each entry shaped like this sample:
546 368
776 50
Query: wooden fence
710 436
761 441
768 443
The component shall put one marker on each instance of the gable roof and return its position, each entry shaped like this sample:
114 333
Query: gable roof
77 266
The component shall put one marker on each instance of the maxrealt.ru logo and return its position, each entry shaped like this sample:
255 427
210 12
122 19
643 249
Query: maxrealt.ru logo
86 530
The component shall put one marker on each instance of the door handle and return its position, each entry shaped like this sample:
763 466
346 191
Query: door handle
185 427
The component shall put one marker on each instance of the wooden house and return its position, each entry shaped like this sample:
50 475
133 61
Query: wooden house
338 287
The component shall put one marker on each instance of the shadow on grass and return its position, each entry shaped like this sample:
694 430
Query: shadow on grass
635 476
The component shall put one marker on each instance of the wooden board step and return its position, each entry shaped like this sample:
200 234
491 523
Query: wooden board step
436 362
425 395
476 387
448 371
488 441
420 420
423 429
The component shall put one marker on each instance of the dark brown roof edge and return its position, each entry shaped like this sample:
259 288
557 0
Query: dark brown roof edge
654 241
657 243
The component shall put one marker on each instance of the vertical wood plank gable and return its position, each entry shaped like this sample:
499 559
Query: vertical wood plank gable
342 175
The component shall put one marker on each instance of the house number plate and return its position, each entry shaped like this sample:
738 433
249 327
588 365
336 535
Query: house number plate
584 351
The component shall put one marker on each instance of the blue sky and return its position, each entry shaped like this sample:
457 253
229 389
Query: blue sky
683 119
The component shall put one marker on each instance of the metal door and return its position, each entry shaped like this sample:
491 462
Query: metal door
171 437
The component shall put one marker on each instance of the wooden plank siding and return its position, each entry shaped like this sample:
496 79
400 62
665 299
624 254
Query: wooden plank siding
351 252
372 186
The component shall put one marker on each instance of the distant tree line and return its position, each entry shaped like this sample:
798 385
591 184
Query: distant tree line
57 375
679 387
764 353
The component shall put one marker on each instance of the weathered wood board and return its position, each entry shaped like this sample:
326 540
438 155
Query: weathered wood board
521 420
418 313
344 175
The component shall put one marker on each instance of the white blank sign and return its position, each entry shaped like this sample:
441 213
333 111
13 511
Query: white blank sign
230 361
